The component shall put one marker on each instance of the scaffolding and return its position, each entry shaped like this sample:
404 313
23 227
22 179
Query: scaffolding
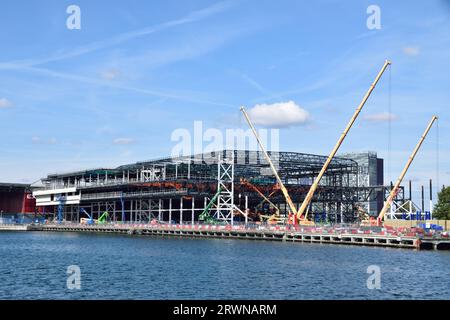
225 185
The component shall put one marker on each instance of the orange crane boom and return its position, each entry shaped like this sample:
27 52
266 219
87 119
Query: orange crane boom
315 184
274 170
254 188
394 190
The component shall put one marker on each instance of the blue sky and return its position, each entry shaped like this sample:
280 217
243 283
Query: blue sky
114 91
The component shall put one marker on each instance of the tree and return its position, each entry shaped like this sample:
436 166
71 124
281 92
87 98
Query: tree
442 207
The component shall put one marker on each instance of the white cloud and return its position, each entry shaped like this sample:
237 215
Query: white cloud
380 117
123 141
5 103
411 51
280 114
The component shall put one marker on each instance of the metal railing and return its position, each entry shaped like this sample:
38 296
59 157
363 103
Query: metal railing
119 194
116 182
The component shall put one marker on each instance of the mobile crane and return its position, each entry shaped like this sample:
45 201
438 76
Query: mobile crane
395 189
205 215
303 208
266 199
292 207
89 220
103 218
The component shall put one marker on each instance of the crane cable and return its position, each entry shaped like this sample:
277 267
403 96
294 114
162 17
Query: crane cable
437 155
389 121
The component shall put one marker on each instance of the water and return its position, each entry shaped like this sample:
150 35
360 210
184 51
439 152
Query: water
34 265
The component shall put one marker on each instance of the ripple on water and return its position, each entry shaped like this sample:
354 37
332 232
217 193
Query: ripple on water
34 265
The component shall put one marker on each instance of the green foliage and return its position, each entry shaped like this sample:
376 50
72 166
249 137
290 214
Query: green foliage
442 208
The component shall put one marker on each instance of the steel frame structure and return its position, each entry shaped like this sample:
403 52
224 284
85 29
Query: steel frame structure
176 189
225 184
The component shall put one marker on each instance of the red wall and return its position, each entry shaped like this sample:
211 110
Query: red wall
16 202
29 203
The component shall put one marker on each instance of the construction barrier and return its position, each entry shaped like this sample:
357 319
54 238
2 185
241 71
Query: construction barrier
396 223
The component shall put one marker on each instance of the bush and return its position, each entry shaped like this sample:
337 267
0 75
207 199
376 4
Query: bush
442 207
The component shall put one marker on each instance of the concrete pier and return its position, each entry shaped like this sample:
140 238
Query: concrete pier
227 232
14 227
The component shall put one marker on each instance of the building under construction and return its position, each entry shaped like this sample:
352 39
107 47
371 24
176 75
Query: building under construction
233 185
226 186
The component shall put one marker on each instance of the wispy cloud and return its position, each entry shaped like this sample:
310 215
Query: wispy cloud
126 153
191 17
185 47
252 82
188 48
123 141
333 73
411 51
110 74
39 140
380 117
95 81
5 103
106 129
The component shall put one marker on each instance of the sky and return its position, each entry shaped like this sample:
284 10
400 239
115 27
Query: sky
115 90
